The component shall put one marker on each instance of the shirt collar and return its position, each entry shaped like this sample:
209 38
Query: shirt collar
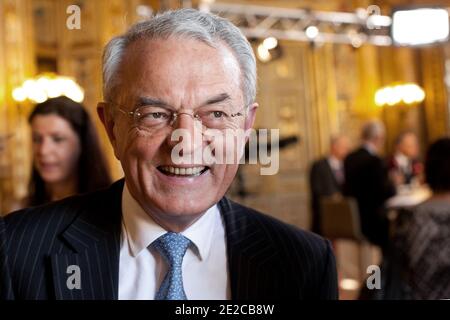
142 230
334 162
401 159
370 148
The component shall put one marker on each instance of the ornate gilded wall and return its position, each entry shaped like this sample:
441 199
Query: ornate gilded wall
16 64
314 92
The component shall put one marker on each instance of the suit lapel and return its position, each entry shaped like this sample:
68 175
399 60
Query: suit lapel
251 255
94 235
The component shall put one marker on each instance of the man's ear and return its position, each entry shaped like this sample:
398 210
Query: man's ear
108 122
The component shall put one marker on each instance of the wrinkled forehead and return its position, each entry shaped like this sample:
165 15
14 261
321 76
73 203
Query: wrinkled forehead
180 66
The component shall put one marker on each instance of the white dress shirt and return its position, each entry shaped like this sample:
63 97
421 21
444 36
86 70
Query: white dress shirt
335 163
337 167
403 163
142 269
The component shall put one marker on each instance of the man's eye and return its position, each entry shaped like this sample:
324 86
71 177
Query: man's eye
159 115
218 114
156 115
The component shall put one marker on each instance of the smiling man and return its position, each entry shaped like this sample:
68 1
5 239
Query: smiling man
166 231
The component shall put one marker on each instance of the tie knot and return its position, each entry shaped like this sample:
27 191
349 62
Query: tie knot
172 246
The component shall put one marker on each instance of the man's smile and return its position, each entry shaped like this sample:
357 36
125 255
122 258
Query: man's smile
183 171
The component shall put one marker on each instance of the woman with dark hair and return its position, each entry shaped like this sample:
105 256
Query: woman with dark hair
426 238
66 153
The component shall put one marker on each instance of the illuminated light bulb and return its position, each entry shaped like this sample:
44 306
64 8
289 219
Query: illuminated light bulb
34 91
356 42
43 82
270 43
420 95
411 93
57 87
389 96
53 90
263 54
408 94
75 93
144 11
400 91
420 26
65 86
71 89
396 94
312 32
380 97
19 94
37 96
28 84
48 86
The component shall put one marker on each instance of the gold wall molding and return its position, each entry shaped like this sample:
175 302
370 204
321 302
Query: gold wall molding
17 61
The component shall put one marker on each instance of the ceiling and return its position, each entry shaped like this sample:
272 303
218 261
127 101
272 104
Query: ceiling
338 5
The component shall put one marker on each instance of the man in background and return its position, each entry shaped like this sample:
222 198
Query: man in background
366 179
404 165
327 177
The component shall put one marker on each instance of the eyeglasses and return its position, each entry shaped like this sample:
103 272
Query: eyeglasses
153 117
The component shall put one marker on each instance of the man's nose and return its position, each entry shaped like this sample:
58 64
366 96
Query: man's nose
187 130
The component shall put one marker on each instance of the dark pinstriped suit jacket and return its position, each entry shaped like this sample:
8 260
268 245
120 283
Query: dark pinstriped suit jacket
267 259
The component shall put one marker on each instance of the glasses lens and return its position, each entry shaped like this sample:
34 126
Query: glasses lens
219 119
151 116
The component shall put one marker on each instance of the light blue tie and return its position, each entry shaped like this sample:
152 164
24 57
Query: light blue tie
172 246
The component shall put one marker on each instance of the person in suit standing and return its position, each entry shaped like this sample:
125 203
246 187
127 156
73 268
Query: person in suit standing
327 176
366 179
404 165
166 231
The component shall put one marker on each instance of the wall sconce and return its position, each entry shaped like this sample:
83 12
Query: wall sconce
46 86
408 93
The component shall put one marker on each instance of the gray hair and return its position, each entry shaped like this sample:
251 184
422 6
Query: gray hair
189 23
372 129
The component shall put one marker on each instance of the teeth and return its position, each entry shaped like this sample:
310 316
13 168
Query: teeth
183 171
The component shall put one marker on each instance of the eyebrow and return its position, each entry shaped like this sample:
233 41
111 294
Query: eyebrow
223 97
142 101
